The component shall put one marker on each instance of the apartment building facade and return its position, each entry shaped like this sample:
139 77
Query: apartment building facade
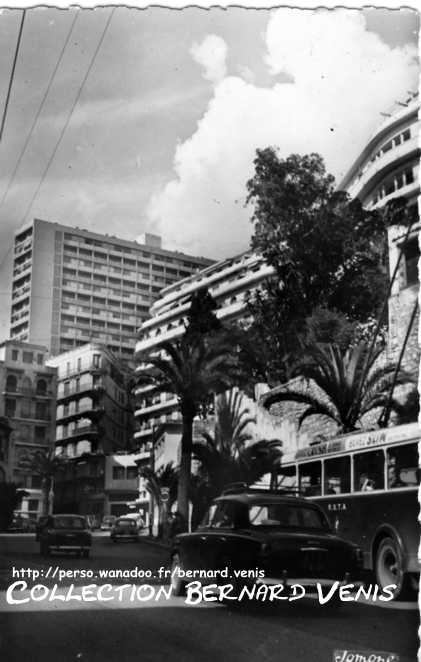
229 281
27 388
93 421
388 168
72 286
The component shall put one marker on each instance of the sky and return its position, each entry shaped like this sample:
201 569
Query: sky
163 135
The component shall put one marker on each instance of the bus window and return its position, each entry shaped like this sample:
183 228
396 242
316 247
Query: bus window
402 466
310 476
287 478
337 475
369 471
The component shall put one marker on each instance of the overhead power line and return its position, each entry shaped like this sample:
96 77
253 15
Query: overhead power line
66 124
38 113
12 74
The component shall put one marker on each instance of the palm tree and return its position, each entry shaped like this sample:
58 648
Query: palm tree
228 457
165 478
46 464
350 384
192 368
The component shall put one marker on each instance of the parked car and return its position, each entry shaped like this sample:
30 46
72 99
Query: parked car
289 538
107 522
41 523
67 533
125 528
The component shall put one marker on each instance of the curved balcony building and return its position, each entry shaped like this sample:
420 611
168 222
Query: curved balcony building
388 168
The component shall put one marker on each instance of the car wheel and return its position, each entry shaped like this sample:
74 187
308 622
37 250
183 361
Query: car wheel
177 584
389 567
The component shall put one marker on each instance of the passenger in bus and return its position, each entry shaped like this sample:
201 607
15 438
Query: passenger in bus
367 484
393 476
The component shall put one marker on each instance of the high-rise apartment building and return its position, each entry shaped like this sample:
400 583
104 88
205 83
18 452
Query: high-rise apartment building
73 286
230 282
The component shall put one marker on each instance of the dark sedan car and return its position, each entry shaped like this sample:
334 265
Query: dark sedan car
284 539
67 533
125 528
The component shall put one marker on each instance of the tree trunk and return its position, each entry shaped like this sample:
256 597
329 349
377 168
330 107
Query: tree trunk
185 469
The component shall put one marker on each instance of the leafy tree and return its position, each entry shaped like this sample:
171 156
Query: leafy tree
326 249
350 384
227 456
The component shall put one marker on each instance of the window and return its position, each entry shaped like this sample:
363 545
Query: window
33 504
28 357
41 387
41 411
402 466
337 475
79 364
10 408
96 360
118 473
411 253
310 476
25 409
40 359
131 473
11 383
39 435
15 354
226 515
409 176
368 471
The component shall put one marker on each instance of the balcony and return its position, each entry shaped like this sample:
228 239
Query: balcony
79 431
88 410
74 372
157 407
20 291
80 391
28 393
20 268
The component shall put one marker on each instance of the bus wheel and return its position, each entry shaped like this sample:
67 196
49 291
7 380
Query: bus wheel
177 584
389 567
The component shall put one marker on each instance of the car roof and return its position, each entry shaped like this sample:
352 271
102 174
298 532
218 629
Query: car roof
256 498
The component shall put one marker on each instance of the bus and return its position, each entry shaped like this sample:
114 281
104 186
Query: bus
367 483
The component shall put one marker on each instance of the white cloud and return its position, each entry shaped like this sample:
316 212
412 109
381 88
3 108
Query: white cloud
211 55
344 77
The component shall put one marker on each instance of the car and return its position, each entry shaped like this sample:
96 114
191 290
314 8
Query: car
107 522
273 537
125 528
41 523
65 533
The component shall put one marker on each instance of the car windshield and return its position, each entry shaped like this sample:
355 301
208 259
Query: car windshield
286 516
69 523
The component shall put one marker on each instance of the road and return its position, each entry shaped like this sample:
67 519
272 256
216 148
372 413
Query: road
169 629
